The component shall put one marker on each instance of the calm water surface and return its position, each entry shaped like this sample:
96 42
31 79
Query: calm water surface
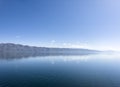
61 71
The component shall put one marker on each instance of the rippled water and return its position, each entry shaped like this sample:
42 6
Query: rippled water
61 71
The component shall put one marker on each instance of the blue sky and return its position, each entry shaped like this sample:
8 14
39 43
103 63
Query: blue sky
64 23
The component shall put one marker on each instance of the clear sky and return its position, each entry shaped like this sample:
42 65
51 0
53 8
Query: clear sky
65 23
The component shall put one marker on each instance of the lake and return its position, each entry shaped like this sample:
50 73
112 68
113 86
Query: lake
102 70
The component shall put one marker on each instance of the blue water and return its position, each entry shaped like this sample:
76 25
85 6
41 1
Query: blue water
61 71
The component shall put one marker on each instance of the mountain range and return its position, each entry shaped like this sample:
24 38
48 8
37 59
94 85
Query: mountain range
11 50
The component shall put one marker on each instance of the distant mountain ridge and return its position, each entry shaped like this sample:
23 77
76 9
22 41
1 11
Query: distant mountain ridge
11 50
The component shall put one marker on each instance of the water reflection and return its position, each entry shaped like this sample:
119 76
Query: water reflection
65 57
98 70
82 58
68 58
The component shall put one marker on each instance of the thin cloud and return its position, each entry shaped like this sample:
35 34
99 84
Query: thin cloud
17 36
